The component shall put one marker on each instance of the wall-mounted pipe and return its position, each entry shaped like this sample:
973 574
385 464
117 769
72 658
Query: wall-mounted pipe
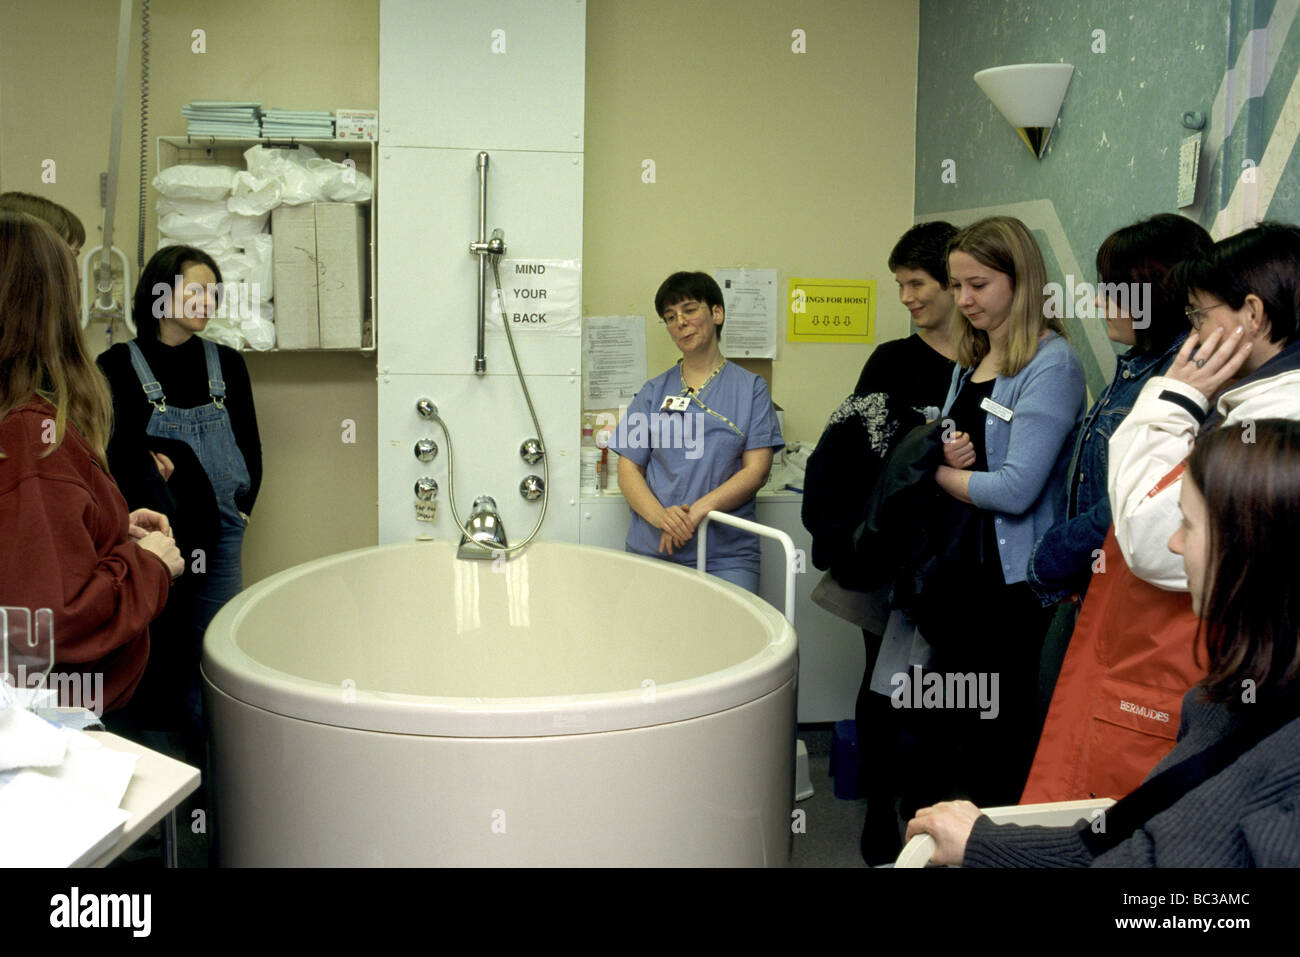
480 357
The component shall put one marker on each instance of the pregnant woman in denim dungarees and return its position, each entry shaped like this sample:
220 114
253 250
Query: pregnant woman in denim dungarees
171 446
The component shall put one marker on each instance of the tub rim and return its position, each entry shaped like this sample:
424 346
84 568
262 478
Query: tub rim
236 673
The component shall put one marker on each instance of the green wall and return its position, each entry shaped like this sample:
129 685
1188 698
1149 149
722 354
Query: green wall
1113 157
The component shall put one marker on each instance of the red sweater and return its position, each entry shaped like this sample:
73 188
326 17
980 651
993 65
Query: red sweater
63 529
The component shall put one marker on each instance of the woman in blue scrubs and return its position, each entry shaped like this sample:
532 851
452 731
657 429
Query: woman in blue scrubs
697 438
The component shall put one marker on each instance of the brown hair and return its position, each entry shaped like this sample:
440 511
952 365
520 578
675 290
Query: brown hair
1249 476
1146 253
1006 244
41 349
63 220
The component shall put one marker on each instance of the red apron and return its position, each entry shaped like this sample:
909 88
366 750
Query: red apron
1118 699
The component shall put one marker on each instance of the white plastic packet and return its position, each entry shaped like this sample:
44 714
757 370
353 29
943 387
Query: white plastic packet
190 207
223 330
234 268
257 257
341 182
252 195
245 228
218 247
190 221
195 181
259 331
287 167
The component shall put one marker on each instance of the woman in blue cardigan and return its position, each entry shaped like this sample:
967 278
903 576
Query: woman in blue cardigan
1016 397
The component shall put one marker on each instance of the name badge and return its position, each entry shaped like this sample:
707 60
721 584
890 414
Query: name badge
1001 411
676 403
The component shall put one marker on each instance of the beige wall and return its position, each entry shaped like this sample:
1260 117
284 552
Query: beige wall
56 90
798 162
803 163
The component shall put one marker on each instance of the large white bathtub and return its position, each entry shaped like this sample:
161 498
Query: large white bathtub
572 706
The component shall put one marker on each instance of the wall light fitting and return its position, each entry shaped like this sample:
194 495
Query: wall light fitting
1029 95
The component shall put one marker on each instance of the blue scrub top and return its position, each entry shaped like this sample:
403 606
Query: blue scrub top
690 453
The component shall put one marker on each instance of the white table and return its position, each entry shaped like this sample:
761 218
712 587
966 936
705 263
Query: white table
159 784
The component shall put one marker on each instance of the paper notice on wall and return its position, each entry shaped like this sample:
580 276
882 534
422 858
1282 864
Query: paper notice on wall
832 310
613 360
749 296
542 297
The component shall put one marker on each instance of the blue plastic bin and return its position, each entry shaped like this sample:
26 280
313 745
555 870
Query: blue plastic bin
844 759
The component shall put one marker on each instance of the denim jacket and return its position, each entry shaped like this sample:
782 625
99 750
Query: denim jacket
1061 561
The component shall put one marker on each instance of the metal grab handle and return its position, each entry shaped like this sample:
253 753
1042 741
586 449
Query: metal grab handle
764 531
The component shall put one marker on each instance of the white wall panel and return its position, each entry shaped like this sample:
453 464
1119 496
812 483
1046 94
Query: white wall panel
444 96
429 279
489 420
441 84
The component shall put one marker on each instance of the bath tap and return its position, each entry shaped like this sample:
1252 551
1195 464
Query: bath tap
484 525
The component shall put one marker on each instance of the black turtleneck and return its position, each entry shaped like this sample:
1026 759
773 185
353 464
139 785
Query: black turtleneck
182 373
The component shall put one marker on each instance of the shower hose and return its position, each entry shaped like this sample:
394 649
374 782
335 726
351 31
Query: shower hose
546 475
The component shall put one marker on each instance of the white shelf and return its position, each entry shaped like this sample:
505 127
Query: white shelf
229 151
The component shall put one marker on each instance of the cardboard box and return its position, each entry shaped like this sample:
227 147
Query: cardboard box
293 265
321 266
341 270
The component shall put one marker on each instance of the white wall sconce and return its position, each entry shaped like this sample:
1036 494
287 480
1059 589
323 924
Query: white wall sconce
1029 95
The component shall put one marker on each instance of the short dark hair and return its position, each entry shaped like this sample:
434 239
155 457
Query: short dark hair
1251 609
64 221
162 269
924 246
681 286
1147 252
1263 260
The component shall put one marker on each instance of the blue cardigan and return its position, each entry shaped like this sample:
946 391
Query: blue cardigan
1028 456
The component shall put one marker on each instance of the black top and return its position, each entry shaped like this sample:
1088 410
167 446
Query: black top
903 383
910 372
183 374
968 415
969 418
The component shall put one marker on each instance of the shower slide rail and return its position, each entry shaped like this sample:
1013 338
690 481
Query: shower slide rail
765 531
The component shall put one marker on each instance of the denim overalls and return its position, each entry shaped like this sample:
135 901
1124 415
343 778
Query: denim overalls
207 430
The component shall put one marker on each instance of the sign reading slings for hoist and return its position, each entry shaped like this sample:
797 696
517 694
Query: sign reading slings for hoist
542 297
831 310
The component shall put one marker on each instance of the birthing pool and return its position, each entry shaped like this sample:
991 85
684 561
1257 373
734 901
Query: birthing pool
395 706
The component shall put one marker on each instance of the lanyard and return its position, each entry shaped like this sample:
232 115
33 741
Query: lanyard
695 394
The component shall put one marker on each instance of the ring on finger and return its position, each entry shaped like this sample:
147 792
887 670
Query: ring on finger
1200 363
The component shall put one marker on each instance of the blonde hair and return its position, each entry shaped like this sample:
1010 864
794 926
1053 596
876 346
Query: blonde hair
1005 244
42 352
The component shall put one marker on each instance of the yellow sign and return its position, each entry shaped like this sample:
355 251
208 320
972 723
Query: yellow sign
831 310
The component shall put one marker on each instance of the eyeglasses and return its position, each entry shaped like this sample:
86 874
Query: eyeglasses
688 311
1197 316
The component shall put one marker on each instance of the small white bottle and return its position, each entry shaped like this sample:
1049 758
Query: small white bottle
611 472
588 459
